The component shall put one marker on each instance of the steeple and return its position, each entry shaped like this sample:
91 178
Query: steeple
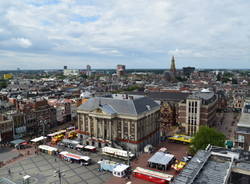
173 69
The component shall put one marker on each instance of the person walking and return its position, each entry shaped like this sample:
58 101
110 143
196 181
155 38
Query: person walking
9 171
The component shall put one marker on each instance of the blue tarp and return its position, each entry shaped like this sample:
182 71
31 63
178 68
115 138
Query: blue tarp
108 165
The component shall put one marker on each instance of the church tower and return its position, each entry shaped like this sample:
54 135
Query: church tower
173 69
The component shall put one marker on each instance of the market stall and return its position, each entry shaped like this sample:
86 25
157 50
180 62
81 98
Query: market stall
48 149
161 160
39 139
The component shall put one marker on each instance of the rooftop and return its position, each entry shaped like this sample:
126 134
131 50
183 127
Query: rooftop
168 96
202 95
161 158
120 106
244 120
214 165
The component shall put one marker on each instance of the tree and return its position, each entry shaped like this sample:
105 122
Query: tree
234 81
206 136
3 84
219 77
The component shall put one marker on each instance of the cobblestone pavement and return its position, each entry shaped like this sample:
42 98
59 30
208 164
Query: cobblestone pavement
7 154
227 123
178 150
41 168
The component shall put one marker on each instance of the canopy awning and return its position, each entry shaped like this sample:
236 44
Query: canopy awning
161 158
38 139
47 148
90 147
74 156
17 141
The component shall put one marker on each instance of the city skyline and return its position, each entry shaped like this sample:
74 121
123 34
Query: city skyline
140 34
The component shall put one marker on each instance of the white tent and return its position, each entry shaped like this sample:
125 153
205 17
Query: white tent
38 139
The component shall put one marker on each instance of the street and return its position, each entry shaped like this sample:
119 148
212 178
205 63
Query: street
227 123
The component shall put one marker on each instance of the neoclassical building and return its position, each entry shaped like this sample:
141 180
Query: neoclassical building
124 122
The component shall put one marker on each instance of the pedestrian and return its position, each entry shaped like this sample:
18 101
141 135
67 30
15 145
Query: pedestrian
55 159
9 171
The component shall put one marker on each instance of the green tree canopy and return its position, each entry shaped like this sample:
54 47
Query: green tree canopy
3 83
206 136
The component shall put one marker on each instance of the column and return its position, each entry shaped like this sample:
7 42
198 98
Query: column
78 120
83 122
95 127
110 130
136 136
89 125
129 134
122 128
103 129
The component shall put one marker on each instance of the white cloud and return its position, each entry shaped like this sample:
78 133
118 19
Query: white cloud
23 42
130 30
184 53
16 43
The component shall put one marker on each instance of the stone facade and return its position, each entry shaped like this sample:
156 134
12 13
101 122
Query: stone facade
100 127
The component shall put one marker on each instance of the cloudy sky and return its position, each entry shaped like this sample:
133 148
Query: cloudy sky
48 34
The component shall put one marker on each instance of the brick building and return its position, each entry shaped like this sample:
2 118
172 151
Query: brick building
198 109
243 128
6 129
38 113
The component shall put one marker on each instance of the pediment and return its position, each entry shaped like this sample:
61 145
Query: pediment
98 111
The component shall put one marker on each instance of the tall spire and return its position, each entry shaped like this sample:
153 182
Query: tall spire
173 69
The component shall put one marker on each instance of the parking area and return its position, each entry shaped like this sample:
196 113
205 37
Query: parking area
42 169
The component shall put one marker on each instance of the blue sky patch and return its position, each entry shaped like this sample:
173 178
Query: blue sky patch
83 19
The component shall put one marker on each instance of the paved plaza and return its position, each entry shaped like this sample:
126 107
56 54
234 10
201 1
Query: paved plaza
42 169
7 154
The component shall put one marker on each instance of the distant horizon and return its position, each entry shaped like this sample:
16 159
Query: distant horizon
93 69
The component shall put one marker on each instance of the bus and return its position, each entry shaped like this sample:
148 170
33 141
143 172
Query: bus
118 153
179 138
153 176
71 157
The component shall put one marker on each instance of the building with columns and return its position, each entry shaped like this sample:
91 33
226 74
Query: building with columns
129 122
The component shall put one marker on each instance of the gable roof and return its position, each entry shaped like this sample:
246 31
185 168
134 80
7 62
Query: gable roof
120 106
166 96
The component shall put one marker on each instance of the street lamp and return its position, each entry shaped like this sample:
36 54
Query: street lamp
60 173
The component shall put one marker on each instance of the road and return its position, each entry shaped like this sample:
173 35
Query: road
227 123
